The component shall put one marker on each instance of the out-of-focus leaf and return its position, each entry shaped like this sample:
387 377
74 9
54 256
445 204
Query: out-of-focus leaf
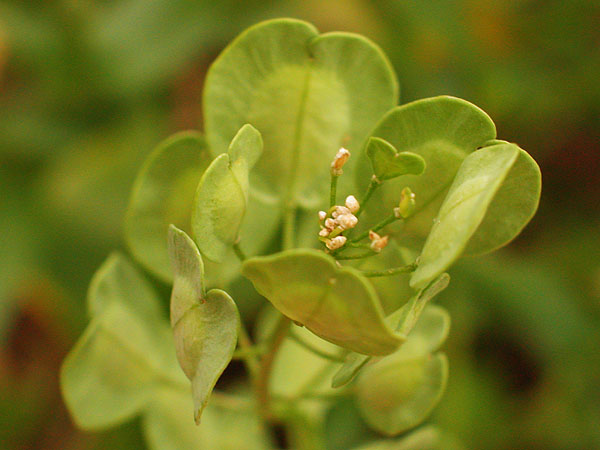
162 194
109 375
167 425
337 304
425 438
222 195
307 93
388 163
205 325
479 179
399 391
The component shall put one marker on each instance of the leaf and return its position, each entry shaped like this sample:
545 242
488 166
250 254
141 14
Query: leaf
430 332
162 194
479 179
425 438
442 130
512 208
388 163
167 426
405 319
307 93
402 321
205 325
126 350
399 392
222 195
337 304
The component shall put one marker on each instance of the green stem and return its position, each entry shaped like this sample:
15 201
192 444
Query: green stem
389 272
374 184
356 256
314 382
289 228
238 252
357 245
266 367
392 218
333 190
308 346
248 352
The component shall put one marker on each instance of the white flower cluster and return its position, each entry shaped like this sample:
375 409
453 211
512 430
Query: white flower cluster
342 218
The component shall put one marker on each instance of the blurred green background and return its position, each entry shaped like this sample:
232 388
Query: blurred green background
88 87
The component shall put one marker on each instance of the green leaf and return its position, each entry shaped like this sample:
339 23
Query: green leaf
205 325
307 93
388 163
442 130
425 438
335 303
167 425
403 320
512 208
399 392
222 195
479 179
163 194
125 351
430 332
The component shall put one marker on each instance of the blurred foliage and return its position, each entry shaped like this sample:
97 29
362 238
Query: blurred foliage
87 89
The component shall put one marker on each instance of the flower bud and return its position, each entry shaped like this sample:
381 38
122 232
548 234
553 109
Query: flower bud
322 215
336 242
330 224
352 204
407 204
347 221
340 211
338 162
378 243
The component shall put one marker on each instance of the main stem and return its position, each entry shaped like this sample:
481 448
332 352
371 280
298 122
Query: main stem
333 190
266 367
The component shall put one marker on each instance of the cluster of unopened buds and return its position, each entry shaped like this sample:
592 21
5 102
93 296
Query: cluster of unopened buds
341 218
